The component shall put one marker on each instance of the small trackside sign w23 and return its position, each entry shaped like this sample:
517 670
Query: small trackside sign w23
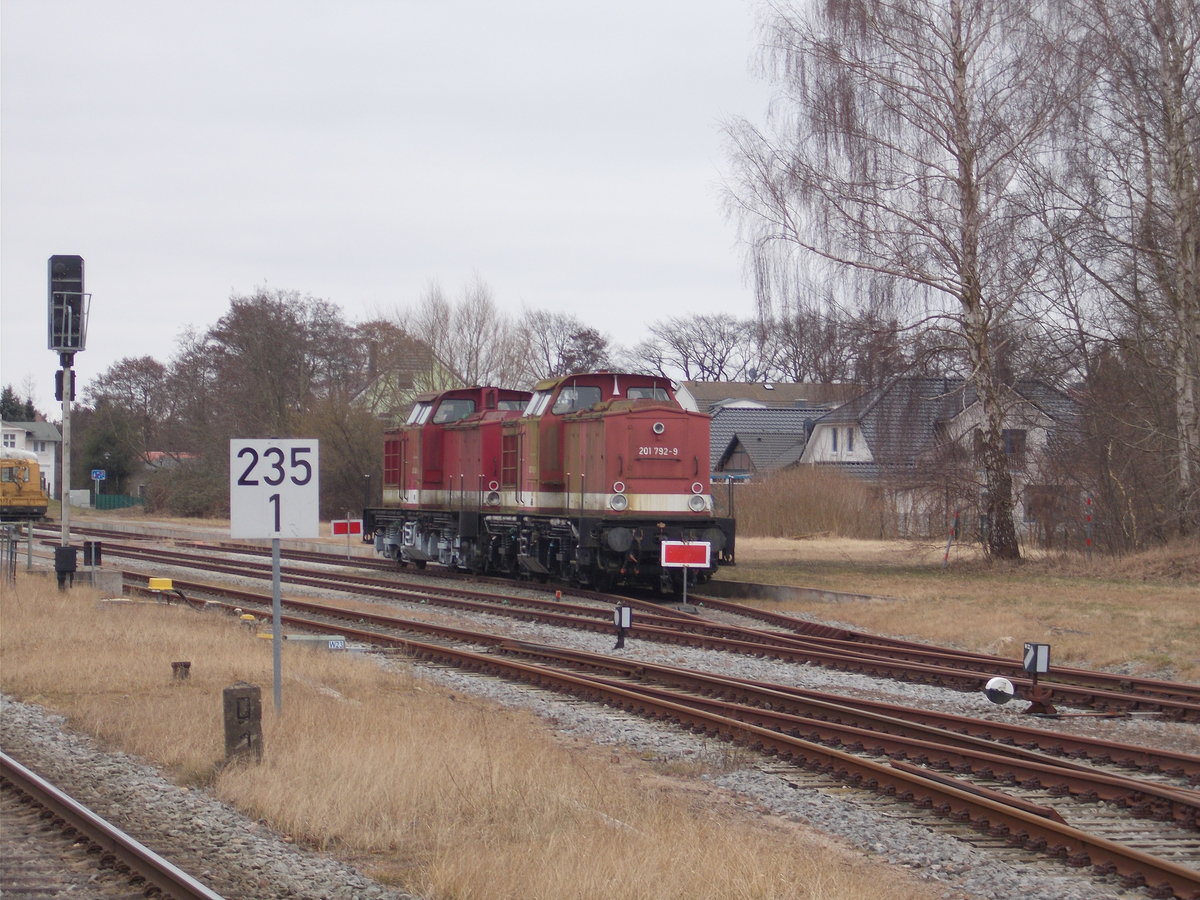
686 554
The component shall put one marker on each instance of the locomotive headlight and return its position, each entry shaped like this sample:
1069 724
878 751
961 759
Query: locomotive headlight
658 428
493 498
618 502
697 503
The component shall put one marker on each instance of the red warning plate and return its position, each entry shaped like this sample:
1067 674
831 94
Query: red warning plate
687 554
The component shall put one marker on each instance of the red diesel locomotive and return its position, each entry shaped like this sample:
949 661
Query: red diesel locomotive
580 481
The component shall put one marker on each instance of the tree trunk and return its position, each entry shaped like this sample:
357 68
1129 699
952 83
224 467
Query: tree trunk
1001 536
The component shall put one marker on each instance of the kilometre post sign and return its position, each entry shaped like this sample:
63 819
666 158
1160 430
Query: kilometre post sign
273 488
686 554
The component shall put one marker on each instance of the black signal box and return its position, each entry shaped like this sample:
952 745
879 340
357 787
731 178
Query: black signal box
68 309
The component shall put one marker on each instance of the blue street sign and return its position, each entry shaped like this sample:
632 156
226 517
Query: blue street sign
99 474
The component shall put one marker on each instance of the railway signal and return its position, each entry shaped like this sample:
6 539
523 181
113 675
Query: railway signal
68 304
622 621
67 319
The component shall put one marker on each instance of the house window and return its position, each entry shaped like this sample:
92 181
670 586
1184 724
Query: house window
849 440
738 461
1014 448
39 446
10 440
833 435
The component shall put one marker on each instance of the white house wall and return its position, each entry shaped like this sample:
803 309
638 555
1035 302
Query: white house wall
820 447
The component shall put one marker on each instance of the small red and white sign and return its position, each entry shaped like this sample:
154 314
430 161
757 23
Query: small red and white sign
686 554
346 526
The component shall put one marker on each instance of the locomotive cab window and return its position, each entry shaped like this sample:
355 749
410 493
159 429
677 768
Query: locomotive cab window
537 403
453 409
512 404
648 393
419 414
9 473
571 399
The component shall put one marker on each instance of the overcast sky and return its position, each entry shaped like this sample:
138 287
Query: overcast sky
568 154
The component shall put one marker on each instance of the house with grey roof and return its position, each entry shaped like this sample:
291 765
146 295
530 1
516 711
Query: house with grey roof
758 427
44 440
917 439
748 441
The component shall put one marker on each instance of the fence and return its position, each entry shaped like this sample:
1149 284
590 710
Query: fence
118 501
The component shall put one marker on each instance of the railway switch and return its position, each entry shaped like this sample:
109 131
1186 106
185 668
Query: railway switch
1036 662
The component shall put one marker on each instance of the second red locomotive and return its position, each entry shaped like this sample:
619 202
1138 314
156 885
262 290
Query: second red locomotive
580 480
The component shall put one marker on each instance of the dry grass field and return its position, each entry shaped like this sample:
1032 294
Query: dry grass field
1136 614
399 776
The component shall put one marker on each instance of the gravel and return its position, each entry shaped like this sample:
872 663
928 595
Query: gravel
236 856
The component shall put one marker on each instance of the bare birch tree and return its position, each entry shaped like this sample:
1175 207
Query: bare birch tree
900 132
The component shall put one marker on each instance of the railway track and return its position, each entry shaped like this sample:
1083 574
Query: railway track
1021 786
54 846
996 788
844 651
790 637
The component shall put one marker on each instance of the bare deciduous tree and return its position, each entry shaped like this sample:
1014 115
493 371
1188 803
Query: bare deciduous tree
1124 207
718 347
902 129
472 339
558 343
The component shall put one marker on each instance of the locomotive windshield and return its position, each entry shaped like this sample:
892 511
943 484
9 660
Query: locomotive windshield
576 397
648 393
453 409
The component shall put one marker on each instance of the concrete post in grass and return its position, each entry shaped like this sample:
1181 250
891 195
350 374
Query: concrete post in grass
243 721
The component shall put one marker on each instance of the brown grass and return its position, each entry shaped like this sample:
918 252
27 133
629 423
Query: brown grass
803 500
400 776
1138 614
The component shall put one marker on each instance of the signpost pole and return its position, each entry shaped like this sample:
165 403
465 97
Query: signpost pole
276 625
65 491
